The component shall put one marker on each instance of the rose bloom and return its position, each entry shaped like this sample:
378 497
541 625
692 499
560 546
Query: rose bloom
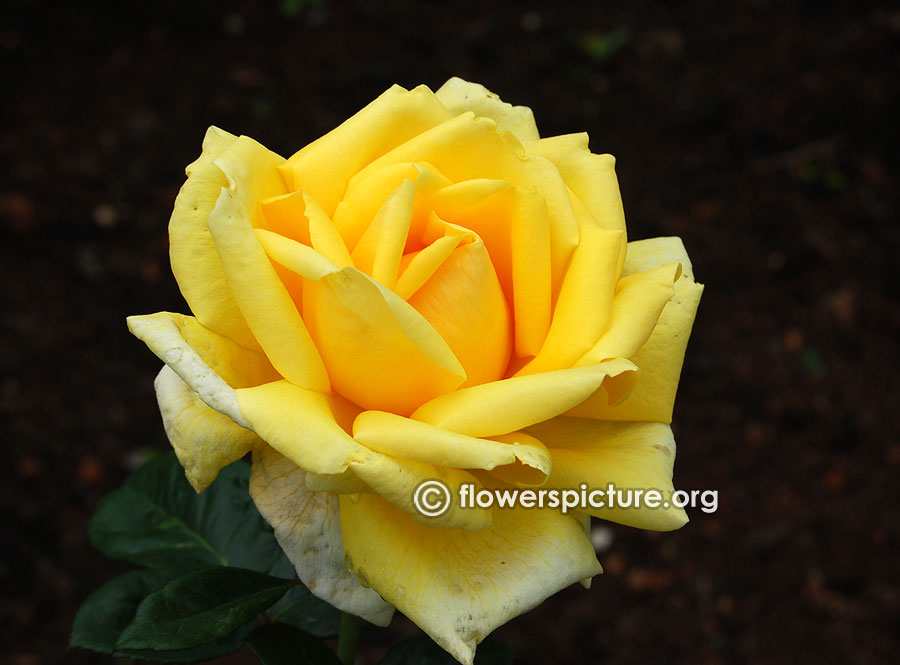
429 291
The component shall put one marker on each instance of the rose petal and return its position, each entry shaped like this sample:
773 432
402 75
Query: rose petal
195 263
458 585
265 303
396 480
204 440
210 364
584 307
661 356
591 177
326 165
418 267
380 352
639 301
504 406
459 96
467 147
307 526
464 303
514 224
628 455
303 425
365 197
380 249
410 439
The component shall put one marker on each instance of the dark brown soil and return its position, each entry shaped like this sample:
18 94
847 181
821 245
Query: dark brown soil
765 134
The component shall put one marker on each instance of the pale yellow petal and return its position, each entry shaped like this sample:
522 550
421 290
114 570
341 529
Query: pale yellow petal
195 263
307 526
640 299
266 304
210 364
459 96
395 480
512 404
584 307
457 585
410 439
631 456
300 424
467 147
205 441
661 356
591 177
325 166
380 352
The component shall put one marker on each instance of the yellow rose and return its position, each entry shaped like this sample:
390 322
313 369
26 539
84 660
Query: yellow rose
429 291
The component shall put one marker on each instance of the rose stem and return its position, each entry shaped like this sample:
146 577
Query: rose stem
348 638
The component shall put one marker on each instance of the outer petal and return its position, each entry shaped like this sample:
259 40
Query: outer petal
456 585
640 299
628 455
307 526
505 406
325 166
401 437
396 479
303 425
661 357
591 177
459 96
195 263
204 440
210 364
264 301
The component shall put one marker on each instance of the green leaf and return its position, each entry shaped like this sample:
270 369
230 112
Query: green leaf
281 644
299 607
420 650
200 607
156 519
107 611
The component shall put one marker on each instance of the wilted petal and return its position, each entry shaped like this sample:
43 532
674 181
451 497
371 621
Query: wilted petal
204 440
210 364
459 96
307 526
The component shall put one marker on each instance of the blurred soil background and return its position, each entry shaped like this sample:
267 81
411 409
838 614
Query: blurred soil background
764 133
